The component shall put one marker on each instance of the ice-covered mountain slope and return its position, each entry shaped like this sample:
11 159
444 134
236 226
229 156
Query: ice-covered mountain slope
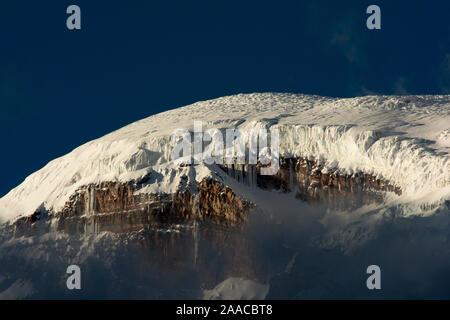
404 139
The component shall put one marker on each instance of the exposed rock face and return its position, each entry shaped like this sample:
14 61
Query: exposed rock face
118 207
315 185
25 224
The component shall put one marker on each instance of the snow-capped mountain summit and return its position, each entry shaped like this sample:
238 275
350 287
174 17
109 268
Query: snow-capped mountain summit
401 139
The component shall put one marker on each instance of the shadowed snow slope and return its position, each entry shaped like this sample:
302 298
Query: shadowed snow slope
403 139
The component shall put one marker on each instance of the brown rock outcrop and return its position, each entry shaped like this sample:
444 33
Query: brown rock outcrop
311 183
119 206
116 206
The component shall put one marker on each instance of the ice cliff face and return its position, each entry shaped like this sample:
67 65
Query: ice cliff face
400 142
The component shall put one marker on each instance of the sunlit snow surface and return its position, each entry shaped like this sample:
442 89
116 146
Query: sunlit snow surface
288 250
404 139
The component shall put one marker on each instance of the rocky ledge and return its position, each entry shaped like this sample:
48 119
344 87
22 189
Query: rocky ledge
120 207
315 184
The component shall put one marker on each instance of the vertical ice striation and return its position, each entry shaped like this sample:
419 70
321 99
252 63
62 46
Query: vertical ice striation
242 173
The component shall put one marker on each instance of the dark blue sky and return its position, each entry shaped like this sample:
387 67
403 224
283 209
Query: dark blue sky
132 59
